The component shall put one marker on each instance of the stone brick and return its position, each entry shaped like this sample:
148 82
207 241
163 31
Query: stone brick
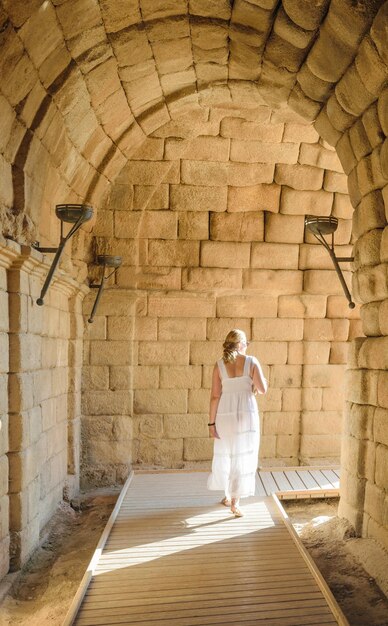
273 282
217 329
174 329
285 376
182 426
254 198
202 279
369 214
183 305
322 375
367 249
326 330
146 225
302 306
371 68
269 352
199 173
159 452
197 149
316 257
150 197
180 377
173 253
284 228
107 402
380 426
237 226
275 256
317 155
342 207
225 254
163 353
335 182
139 328
259 152
277 329
362 386
246 306
239 128
144 377
198 198
286 423
152 173
326 129
382 392
318 446
323 282
322 422
198 400
272 401
113 352
198 449
370 283
312 398
95 377
333 400
193 225
295 202
339 352
205 352
308 352
302 177
381 473
292 400
383 317
160 401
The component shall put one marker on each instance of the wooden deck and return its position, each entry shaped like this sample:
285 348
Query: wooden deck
299 482
171 555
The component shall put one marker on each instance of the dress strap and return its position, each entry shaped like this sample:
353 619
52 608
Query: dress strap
247 365
222 368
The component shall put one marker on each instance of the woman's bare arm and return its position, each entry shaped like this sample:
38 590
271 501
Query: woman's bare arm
214 400
259 381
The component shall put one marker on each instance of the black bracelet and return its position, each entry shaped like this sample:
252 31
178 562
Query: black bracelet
212 424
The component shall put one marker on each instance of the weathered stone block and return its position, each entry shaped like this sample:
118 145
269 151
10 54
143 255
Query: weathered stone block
173 253
369 214
205 279
239 128
299 176
362 386
193 225
322 375
198 449
339 352
321 423
182 305
163 353
180 377
197 149
286 423
259 152
273 282
107 402
254 198
112 352
285 376
269 352
228 255
294 202
205 352
146 225
323 282
95 377
187 425
382 391
237 226
308 352
160 401
284 228
275 256
302 306
318 446
277 329
149 197
292 400
198 400
152 173
144 377
198 198
247 306
334 400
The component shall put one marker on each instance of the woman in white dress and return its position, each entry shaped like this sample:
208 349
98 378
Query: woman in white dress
234 421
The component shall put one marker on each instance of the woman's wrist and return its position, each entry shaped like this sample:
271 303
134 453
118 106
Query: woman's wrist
211 424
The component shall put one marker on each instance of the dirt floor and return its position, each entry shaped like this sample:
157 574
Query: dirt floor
42 594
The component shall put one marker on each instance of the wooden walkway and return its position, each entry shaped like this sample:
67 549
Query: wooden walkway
299 482
171 555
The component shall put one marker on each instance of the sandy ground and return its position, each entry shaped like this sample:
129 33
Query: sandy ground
42 594
341 558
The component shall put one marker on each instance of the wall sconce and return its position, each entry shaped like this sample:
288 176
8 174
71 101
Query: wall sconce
105 261
320 226
76 214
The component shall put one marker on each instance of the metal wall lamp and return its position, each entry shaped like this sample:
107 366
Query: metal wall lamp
320 226
105 261
76 214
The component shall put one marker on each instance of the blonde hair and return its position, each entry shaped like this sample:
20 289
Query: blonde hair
230 345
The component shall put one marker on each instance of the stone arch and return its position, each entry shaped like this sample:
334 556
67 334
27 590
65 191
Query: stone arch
75 108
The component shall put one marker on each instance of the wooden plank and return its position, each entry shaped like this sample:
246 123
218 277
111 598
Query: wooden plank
321 479
260 489
182 559
295 480
307 479
332 477
281 481
269 484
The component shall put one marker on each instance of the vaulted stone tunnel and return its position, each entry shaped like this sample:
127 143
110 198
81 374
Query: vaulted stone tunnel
202 132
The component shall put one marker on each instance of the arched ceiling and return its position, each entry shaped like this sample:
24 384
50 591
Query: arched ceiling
84 82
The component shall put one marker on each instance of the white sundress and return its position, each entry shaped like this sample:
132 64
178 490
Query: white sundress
235 456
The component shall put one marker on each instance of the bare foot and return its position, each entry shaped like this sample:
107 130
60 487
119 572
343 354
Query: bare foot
225 501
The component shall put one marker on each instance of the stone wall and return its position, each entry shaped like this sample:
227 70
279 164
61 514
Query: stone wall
211 230
43 386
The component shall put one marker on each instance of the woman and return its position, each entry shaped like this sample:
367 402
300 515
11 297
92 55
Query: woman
234 421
